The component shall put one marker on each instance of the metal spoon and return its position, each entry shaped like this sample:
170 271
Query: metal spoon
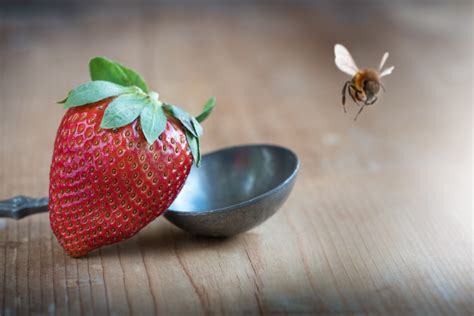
234 190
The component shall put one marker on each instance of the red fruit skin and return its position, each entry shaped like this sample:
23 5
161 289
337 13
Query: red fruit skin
106 185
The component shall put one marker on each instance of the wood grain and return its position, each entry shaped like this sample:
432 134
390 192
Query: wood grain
380 219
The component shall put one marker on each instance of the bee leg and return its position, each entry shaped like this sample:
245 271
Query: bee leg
358 92
383 88
373 101
344 90
355 118
352 96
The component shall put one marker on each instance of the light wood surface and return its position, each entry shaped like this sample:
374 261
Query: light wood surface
380 219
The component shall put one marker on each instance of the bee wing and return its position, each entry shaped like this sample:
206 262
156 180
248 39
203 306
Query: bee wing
387 71
344 60
382 62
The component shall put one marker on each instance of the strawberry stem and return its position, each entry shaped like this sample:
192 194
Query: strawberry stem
154 96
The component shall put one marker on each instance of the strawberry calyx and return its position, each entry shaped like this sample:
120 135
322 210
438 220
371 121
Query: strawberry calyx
133 100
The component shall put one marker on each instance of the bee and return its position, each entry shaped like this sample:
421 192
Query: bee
365 83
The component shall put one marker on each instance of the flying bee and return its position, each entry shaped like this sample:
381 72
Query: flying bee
365 83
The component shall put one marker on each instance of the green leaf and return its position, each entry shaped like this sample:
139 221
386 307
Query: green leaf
102 68
63 100
123 110
208 107
94 91
182 116
153 121
198 141
197 127
193 143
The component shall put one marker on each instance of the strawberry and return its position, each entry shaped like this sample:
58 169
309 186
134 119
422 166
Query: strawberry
120 158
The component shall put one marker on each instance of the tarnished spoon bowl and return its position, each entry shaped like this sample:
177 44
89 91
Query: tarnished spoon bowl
234 190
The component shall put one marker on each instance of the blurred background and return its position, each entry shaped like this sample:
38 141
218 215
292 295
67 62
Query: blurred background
401 174
270 59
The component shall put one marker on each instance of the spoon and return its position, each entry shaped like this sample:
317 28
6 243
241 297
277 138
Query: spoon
234 190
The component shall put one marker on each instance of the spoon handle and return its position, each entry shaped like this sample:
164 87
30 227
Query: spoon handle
21 206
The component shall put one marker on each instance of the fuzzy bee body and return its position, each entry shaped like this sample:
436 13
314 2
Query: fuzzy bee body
363 87
365 83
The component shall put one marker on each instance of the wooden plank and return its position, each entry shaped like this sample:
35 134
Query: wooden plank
85 282
48 300
136 278
22 267
74 299
61 306
118 301
34 304
157 244
10 285
98 285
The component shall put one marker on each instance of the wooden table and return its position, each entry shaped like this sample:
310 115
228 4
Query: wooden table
380 220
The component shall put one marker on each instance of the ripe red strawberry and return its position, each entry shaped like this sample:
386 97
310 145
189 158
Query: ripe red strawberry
110 177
